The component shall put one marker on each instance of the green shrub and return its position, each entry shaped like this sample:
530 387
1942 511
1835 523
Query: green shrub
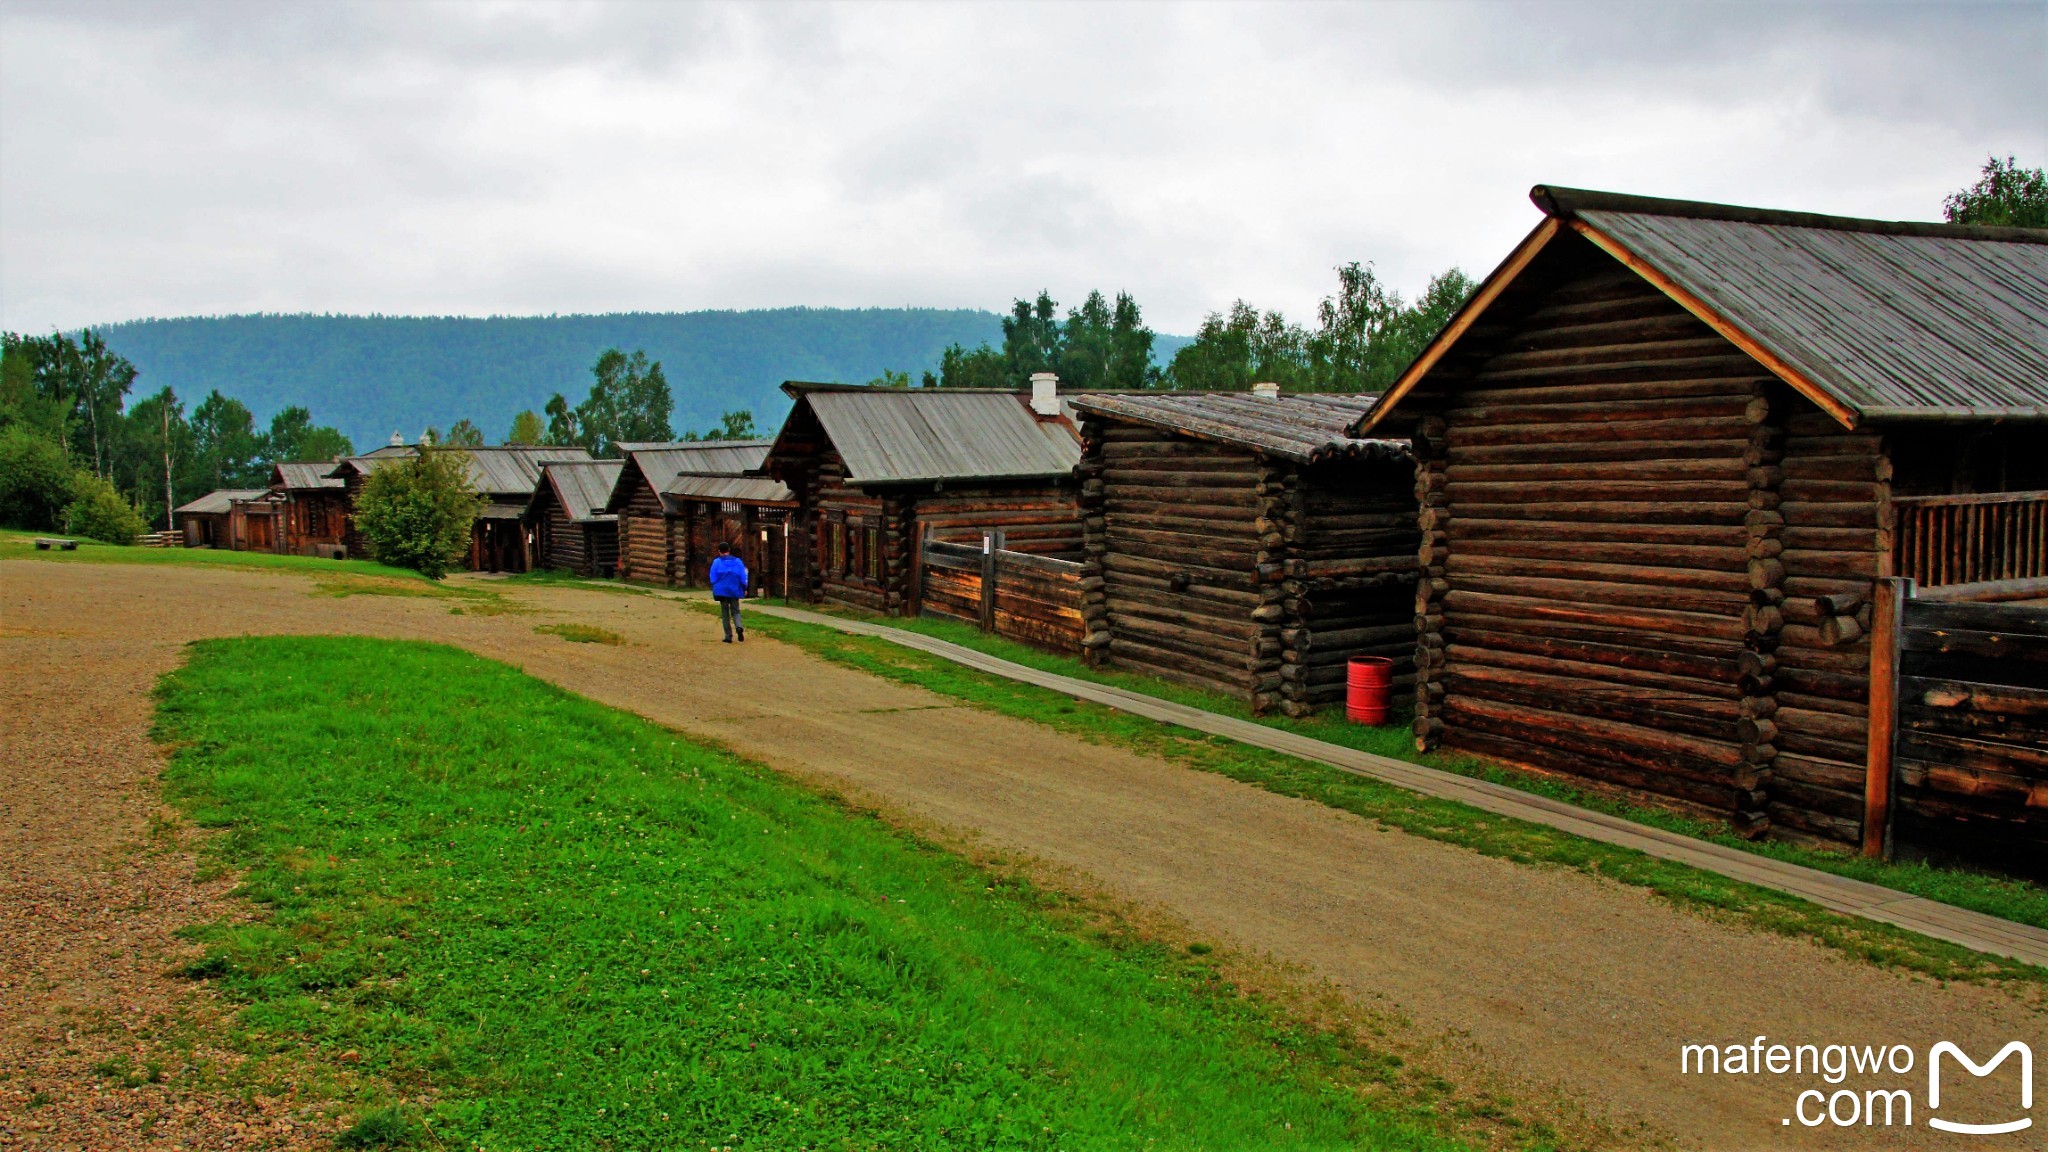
98 512
416 513
35 480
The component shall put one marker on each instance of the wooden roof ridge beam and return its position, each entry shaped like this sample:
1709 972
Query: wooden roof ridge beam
1496 283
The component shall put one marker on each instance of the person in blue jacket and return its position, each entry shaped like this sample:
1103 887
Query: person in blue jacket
728 586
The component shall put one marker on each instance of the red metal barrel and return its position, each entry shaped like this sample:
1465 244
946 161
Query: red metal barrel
1369 687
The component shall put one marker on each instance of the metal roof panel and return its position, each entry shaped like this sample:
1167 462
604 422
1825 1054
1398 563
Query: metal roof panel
1303 427
894 436
582 486
217 502
1891 325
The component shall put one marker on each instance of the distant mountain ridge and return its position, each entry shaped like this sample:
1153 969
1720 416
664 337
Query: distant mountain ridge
371 376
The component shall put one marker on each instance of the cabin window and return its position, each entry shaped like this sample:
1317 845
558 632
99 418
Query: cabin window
872 554
836 548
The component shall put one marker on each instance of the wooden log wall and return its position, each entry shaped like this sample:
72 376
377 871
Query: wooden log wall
1588 495
562 543
1972 751
601 544
1169 575
832 501
646 546
351 537
1041 518
1827 545
1348 544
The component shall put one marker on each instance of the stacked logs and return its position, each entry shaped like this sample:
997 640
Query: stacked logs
1241 570
645 551
1094 546
1038 517
1171 533
563 544
1276 668
1765 618
1587 494
896 517
1432 495
840 507
1350 570
1835 488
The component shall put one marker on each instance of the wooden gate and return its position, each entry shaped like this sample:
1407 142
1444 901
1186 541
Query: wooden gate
1016 595
1959 722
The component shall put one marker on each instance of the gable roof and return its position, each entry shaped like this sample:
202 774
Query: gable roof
743 489
299 475
581 486
514 469
1872 320
494 470
921 435
217 502
661 463
1302 427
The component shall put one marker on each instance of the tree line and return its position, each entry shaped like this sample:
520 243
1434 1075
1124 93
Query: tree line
1364 334
76 455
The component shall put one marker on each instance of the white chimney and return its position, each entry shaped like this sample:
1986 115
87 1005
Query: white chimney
1045 393
397 441
1269 390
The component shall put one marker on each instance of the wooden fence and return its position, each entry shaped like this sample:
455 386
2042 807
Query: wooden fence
1968 539
1958 758
1033 599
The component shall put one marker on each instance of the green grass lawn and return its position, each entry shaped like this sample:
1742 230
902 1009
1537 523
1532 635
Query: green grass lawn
1441 819
17 545
567 927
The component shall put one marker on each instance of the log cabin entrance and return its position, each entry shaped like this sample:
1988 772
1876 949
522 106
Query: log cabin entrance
262 535
499 544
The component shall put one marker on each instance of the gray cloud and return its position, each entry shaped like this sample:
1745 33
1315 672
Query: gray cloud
168 160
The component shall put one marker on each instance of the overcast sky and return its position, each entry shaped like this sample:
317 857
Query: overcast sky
180 159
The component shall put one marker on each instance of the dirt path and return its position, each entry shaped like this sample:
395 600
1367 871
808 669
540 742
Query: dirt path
1549 983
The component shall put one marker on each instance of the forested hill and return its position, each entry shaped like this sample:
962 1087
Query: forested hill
371 376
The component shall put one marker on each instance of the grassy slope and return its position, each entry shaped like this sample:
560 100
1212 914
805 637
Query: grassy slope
1438 819
571 928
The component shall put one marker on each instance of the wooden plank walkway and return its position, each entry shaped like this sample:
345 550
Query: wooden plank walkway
1973 930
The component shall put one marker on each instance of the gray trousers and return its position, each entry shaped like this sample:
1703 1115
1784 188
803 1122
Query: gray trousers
729 614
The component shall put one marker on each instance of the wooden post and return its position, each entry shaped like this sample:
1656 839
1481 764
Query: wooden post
991 543
1887 618
915 604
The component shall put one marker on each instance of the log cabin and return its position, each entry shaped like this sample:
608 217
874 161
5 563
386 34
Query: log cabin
749 513
504 475
652 545
876 471
1245 543
217 519
572 531
313 507
1663 453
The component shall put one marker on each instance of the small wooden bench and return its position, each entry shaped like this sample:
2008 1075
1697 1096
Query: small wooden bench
45 543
